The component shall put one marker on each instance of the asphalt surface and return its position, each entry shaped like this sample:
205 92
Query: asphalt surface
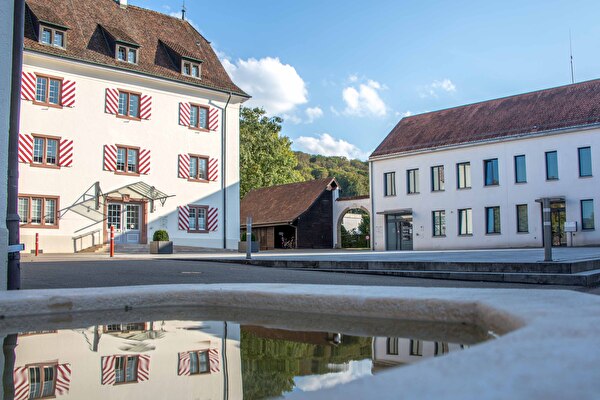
41 274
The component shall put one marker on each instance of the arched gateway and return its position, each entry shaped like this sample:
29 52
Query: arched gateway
341 207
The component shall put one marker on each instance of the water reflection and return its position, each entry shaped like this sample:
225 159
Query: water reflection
197 360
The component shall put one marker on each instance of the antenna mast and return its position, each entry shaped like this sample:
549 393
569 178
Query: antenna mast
571 54
183 10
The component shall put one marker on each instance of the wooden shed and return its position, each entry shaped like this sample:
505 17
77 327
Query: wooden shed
296 215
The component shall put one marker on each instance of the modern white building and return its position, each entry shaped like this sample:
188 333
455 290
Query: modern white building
128 119
472 176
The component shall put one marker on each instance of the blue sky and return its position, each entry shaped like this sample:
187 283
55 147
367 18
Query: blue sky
343 73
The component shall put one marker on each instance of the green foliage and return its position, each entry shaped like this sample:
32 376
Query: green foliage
365 225
266 158
357 238
160 236
245 236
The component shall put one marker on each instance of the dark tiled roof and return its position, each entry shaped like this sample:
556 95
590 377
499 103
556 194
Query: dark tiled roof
281 204
119 34
46 14
530 113
86 40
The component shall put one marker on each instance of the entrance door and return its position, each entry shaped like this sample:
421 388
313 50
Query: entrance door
558 216
399 232
126 220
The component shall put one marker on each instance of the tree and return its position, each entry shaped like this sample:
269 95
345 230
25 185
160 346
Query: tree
266 158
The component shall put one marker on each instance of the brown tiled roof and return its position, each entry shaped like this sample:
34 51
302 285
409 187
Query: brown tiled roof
525 114
281 204
87 42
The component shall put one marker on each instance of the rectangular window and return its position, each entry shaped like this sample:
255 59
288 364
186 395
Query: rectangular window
520 169
522 218
465 221
198 117
412 181
45 151
48 90
416 347
492 220
127 159
198 218
551 165
190 69
52 36
126 54
129 104
585 161
38 211
198 168
389 184
199 362
587 214
42 381
392 346
463 175
437 178
490 171
439 223
126 369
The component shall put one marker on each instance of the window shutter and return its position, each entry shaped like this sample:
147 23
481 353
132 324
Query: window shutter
184 166
63 378
108 370
110 157
68 93
213 169
184 114
21 381
144 161
213 359
212 221
145 107
65 153
184 363
25 148
143 372
112 101
213 119
184 218
28 84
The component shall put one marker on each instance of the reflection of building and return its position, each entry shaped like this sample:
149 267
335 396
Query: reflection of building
469 176
172 359
394 351
123 108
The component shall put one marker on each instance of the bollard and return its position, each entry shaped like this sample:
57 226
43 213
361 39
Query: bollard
248 238
112 241
37 244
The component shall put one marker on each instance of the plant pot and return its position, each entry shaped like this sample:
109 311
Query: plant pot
255 246
161 247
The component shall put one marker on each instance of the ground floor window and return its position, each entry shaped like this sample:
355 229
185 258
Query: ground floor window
587 214
38 211
198 218
126 369
392 346
416 347
199 362
439 223
465 221
42 381
492 220
522 218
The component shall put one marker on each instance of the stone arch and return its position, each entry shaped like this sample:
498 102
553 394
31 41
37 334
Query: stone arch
340 220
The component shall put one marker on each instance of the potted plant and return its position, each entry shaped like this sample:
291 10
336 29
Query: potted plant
160 243
242 244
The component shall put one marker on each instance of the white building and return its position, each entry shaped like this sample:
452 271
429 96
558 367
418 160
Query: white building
470 177
127 119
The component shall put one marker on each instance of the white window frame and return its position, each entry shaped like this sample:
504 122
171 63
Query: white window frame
52 35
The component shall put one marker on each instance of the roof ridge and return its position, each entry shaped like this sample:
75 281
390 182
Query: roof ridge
502 98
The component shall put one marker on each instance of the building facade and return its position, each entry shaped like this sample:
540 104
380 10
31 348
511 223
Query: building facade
473 176
129 120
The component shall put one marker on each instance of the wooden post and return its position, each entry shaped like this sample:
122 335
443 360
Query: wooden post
248 238
112 240
37 244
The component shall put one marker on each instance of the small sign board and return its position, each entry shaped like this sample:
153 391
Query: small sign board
571 226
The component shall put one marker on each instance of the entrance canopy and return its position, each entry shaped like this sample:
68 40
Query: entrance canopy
91 203
400 211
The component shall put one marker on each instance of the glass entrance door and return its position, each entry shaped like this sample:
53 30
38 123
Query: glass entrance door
399 232
126 220
558 216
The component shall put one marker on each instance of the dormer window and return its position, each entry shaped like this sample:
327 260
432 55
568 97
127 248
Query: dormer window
189 68
126 54
52 36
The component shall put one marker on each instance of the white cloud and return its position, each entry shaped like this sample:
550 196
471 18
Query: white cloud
273 85
293 118
403 114
313 113
435 87
327 145
353 78
355 370
364 99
